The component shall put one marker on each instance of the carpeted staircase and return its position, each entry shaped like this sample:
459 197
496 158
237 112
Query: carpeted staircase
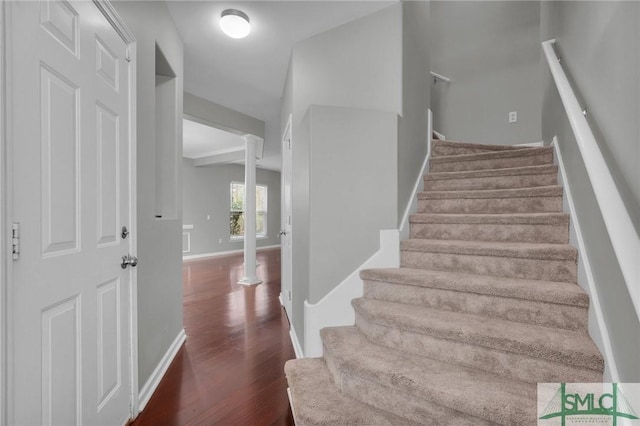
484 305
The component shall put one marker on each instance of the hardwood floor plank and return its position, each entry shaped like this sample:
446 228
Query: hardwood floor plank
231 368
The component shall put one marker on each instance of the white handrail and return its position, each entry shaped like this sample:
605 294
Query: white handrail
440 77
622 232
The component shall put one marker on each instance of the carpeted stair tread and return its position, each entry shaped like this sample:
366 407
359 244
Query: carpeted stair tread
513 171
540 291
527 367
523 180
469 391
523 260
502 219
515 153
492 160
537 191
541 199
488 147
554 309
513 227
488 248
444 148
317 401
552 344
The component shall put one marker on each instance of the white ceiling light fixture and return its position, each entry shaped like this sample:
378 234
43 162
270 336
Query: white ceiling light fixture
235 23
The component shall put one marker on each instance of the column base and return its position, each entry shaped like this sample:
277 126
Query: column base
250 281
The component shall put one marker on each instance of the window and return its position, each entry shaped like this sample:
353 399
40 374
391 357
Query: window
236 217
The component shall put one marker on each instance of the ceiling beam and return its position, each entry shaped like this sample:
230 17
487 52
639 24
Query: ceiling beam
227 157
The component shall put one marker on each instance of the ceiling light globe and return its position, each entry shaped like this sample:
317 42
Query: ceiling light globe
234 23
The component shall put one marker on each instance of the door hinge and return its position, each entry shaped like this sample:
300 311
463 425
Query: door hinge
289 291
289 144
127 54
15 240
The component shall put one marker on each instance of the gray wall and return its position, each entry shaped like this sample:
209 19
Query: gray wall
357 65
599 43
159 240
352 179
206 192
416 97
491 51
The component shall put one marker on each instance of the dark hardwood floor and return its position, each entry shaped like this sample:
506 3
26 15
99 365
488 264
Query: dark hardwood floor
231 369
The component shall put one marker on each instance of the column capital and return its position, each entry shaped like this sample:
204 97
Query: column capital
255 143
252 139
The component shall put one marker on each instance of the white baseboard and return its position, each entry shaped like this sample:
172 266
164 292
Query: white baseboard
597 326
534 144
154 380
412 207
335 308
223 253
280 299
440 136
291 404
295 342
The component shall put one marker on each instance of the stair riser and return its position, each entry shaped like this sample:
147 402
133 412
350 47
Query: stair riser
440 151
508 364
491 205
510 267
494 163
404 404
491 232
493 182
524 311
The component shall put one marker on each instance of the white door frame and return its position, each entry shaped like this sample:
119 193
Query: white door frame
6 195
287 135
4 199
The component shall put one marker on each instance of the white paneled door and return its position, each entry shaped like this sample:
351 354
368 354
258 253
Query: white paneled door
70 135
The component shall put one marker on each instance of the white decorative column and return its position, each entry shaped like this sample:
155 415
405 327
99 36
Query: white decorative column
250 277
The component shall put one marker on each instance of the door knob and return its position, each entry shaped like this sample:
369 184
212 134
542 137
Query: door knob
281 233
128 260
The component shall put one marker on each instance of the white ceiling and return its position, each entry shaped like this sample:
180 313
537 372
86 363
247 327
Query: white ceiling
200 140
248 74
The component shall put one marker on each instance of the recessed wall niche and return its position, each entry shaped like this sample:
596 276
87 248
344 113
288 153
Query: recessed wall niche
166 147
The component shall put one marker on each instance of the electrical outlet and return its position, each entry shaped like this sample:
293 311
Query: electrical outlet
513 117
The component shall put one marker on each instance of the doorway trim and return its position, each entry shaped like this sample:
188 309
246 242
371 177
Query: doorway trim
4 208
6 196
286 300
